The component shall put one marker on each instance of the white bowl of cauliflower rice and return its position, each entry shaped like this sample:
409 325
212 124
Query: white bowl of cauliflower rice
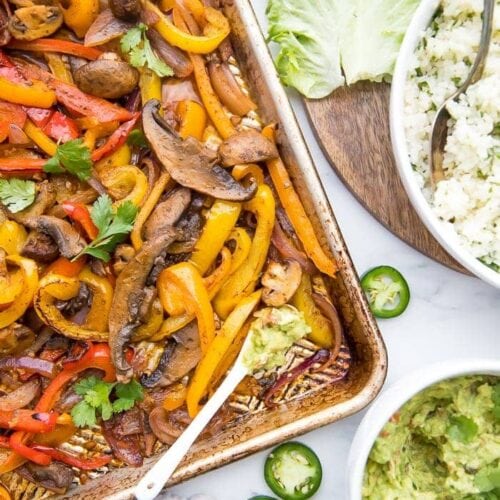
463 213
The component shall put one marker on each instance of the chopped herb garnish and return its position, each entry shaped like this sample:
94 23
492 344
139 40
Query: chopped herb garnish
73 157
17 194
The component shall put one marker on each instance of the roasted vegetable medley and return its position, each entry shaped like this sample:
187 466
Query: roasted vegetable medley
144 212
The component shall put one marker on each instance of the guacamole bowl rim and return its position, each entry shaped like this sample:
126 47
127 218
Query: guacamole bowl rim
393 398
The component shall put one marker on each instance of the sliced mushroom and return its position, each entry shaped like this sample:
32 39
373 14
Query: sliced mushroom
248 146
40 247
55 477
165 212
106 78
126 10
188 161
130 287
36 21
68 240
280 282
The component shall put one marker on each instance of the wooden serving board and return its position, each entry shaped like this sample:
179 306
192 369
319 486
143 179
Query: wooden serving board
352 126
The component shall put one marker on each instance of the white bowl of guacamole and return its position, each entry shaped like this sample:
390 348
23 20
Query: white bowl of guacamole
434 434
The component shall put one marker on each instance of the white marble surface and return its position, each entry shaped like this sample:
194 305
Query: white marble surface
450 316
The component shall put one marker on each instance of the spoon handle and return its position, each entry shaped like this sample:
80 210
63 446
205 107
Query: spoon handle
484 46
152 483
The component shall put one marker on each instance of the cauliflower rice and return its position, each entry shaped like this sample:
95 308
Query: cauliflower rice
468 199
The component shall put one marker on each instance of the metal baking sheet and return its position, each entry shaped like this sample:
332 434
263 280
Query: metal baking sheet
318 401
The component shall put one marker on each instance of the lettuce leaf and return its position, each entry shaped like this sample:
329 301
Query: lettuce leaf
309 56
372 37
320 38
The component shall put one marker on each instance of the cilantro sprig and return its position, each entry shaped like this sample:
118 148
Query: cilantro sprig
103 399
140 53
17 194
113 225
73 157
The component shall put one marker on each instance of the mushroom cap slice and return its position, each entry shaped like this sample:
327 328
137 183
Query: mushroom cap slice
188 162
36 21
248 146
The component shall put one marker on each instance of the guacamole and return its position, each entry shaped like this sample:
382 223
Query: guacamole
442 444
271 335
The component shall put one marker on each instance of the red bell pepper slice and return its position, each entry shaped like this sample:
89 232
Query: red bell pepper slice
55 45
80 213
75 100
10 114
72 460
116 139
28 420
39 116
16 442
61 127
21 164
97 356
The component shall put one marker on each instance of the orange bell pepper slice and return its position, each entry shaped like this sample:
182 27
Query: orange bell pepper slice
193 119
190 284
66 267
209 98
296 212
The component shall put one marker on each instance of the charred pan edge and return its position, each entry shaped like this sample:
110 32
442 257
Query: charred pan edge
247 35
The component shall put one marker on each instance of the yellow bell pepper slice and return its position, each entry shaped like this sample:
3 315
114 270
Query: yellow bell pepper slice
188 280
321 331
244 280
102 296
243 243
248 170
175 398
171 297
150 85
220 220
57 287
58 68
29 270
153 323
193 119
296 212
37 94
120 157
147 208
126 183
12 237
209 98
215 31
40 138
80 14
216 351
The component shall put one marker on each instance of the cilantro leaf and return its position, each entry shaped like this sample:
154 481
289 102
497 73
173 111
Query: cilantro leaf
103 399
73 157
140 53
137 138
113 226
462 429
83 414
17 194
132 390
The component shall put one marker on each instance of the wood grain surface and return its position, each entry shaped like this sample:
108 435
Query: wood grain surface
352 126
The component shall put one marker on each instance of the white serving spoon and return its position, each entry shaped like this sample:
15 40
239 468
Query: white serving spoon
152 483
